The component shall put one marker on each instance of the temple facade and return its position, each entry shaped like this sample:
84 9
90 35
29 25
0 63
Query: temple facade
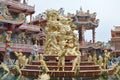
115 40
13 15
13 19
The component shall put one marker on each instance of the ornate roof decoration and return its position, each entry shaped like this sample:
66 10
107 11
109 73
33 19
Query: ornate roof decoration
85 18
40 17
28 27
16 5
61 11
9 17
116 29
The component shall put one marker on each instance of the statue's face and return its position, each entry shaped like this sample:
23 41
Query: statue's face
105 51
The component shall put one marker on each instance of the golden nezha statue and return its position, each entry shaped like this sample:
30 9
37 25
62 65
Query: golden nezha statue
22 60
116 68
89 58
59 34
100 60
37 58
95 58
60 39
43 64
43 77
106 58
76 62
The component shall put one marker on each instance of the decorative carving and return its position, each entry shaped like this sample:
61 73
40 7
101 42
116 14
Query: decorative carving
4 11
43 64
44 77
95 58
76 62
17 0
100 60
60 39
89 58
22 60
60 35
61 11
25 1
10 15
106 59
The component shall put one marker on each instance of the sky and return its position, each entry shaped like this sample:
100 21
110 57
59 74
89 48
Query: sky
108 11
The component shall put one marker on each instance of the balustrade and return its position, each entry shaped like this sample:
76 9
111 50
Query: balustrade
24 47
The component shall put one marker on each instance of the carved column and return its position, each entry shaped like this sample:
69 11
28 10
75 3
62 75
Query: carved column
83 37
93 35
80 34
30 18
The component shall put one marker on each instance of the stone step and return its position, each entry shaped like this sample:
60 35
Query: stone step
66 68
67 58
53 63
82 73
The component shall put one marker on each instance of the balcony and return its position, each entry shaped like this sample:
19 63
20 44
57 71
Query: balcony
25 47
18 6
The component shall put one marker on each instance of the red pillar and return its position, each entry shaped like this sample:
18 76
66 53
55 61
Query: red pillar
93 35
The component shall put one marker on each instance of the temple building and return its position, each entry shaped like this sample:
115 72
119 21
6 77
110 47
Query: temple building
13 15
85 21
115 40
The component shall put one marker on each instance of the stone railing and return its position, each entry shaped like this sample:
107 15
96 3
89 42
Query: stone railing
23 47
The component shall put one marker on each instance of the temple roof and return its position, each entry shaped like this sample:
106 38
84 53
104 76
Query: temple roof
28 27
11 22
85 18
116 29
82 13
87 24
7 16
18 7
97 45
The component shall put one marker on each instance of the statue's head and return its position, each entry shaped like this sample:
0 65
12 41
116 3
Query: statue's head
100 56
105 51
52 13
9 32
20 54
41 56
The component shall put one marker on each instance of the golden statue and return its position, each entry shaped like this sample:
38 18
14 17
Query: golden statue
59 34
44 76
61 60
6 68
43 64
106 58
94 58
89 58
100 60
117 69
22 60
37 58
30 59
60 39
76 62
19 56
